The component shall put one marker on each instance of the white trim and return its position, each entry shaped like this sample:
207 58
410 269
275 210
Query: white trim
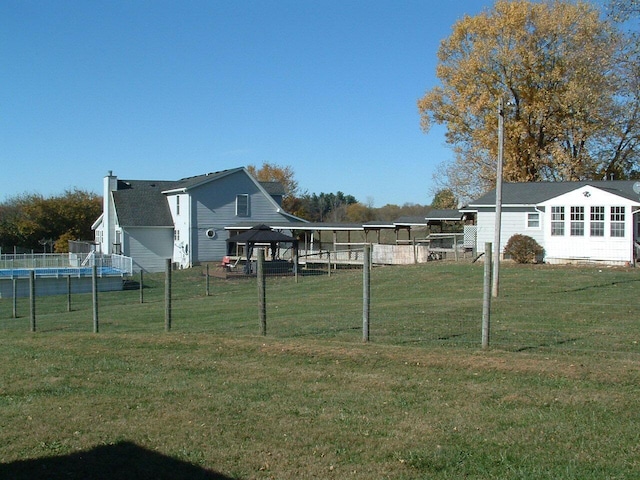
526 220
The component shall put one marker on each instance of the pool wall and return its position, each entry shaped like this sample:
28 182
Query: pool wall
58 286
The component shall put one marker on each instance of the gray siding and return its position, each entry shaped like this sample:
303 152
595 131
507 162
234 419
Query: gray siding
214 207
149 247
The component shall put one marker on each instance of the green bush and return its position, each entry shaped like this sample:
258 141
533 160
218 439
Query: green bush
523 249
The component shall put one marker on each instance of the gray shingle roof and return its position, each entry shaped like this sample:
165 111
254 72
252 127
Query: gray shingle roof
533 193
190 182
141 203
273 188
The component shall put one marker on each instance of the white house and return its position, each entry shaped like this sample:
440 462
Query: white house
589 221
184 220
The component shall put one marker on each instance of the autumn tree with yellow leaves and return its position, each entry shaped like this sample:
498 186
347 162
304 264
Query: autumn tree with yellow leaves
35 222
571 105
270 172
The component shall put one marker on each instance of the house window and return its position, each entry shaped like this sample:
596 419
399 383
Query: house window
617 221
177 205
577 221
557 221
597 221
533 220
242 205
176 235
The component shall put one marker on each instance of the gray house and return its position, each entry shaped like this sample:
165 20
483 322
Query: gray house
588 221
184 220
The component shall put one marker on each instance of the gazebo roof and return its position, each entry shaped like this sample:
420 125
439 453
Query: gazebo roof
261 234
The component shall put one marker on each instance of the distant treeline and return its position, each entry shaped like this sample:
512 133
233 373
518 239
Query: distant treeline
33 222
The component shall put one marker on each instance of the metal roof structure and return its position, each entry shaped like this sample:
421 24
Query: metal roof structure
261 234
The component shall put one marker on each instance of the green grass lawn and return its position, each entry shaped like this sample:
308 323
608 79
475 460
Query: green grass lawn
555 397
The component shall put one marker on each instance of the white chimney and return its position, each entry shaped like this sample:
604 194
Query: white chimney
110 184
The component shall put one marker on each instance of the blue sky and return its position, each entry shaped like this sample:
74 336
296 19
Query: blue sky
169 89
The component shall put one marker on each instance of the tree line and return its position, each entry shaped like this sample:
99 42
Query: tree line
32 222
340 207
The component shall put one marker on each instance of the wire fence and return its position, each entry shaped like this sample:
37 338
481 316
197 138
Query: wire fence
430 305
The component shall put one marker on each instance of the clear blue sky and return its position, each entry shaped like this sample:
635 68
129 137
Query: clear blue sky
169 89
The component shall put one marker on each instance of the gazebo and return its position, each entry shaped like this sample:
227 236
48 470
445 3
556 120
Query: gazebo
262 235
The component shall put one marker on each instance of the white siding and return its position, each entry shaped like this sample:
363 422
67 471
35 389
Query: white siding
149 247
586 247
180 207
514 220
567 247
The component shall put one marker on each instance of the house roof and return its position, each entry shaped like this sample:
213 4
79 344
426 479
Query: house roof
534 193
444 214
190 182
141 203
273 188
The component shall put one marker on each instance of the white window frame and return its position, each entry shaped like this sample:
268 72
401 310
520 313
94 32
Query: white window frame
557 221
534 217
242 205
576 225
617 215
596 221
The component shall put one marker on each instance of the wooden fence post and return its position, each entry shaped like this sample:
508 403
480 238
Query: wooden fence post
295 260
262 295
207 281
32 300
486 298
15 298
366 291
69 293
94 289
141 286
167 296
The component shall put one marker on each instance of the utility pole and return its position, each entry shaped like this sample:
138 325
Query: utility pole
498 221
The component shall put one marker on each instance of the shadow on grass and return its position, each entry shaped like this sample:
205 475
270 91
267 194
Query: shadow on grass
598 285
546 344
124 460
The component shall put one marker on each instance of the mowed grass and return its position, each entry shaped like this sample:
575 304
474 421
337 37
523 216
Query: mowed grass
556 397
